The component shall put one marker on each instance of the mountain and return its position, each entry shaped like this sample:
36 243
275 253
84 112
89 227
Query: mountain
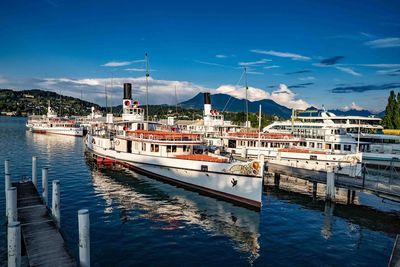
352 112
228 103
27 102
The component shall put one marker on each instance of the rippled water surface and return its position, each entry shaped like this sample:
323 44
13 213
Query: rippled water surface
137 221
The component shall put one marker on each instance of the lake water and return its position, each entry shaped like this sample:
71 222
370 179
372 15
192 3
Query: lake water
137 221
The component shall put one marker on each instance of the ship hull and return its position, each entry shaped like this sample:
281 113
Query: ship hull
57 130
242 190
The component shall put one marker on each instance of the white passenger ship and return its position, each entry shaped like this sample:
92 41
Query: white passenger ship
342 134
52 124
170 156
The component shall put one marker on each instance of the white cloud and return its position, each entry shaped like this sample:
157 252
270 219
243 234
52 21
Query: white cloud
271 67
308 78
280 54
135 69
390 72
349 71
353 106
384 42
121 63
253 94
3 79
221 56
256 72
251 63
209 63
283 95
383 65
160 91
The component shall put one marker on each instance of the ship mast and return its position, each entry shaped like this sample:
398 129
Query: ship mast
147 86
247 102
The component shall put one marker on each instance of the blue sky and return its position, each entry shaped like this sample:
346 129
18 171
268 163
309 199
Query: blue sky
339 54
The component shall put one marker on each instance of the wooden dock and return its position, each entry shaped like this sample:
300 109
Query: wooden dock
43 243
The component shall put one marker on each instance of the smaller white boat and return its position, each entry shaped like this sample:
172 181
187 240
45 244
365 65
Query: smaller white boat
51 124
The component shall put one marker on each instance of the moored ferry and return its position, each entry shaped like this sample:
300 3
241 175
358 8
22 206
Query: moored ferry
51 124
170 156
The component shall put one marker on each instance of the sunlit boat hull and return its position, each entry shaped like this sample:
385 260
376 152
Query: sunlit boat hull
56 130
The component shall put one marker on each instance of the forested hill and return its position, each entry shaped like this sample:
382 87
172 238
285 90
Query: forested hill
26 102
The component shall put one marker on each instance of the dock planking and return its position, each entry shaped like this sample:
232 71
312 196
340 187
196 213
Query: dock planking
43 242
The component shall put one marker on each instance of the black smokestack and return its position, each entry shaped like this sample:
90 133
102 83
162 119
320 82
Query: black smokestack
127 91
207 98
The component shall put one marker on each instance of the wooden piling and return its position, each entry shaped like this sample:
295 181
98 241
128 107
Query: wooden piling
14 244
45 190
277 179
330 186
12 215
84 237
34 168
55 205
315 189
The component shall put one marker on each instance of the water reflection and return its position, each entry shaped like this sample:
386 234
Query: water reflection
139 197
355 215
50 143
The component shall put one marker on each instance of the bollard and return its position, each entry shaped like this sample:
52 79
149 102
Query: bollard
55 205
84 237
14 244
330 186
12 205
34 175
7 185
45 190
7 166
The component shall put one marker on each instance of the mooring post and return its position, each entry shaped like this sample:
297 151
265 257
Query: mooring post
353 196
12 205
34 174
314 189
348 196
84 238
45 191
14 244
55 204
7 185
364 170
7 167
330 185
277 179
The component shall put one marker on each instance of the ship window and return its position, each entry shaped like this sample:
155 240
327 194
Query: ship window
347 147
169 149
337 146
319 145
144 146
232 143
173 149
204 168
312 144
154 148
313 157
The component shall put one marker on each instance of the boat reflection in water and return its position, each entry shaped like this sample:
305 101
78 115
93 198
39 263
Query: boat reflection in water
51 144
175 207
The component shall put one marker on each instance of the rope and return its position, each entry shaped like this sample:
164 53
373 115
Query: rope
227 102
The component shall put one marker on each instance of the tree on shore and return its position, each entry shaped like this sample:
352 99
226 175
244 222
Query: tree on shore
391 120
